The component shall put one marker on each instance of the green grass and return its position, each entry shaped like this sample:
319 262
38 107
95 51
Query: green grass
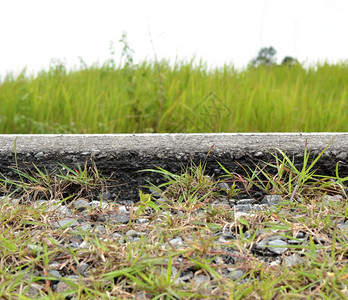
186 97
187 205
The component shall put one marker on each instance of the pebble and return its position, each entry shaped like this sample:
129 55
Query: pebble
270 249
82 268
119 218
342 156
118 237
186 277
271 200
81 204
277 250
71 222
240 214
235 274
134 235
293 260
224 186
243 207
54 273
62 286
222 205
246 201
176 242
39 154
35 248
200 279
101 204
142 221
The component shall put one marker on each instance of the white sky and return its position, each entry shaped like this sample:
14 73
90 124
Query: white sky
218 31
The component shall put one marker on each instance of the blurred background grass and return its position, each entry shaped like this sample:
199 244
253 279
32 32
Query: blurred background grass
184 97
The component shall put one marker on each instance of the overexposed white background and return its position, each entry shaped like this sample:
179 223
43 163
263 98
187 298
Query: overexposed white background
32 33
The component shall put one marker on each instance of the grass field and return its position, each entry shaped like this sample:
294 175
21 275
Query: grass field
185 97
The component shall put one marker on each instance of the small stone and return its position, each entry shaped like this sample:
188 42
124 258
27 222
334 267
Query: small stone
81 204
142 295
85 227
100 204
39 154
82 268
13 201
74 244
222 205
55 206
154 192
107 195
119 218
34 290
123 209
54 265
35 247
258 154
84 245
99 228
54 273
118 237
343 226
271 200
224 186
277 250
261 245
246 201
64 211
342 156
296 242
240 214
238 155
300 235
332 199
176 242
276 237
4 198
180 213
38 204
259 207
142 221
200 279
71 222
247 234
186 277
222 240
61 286
293 260
235 273
218 260
243 207
134 234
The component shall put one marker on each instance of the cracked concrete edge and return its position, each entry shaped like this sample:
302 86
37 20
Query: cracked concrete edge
123 155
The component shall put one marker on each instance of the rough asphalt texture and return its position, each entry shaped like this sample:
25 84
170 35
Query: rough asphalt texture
122 155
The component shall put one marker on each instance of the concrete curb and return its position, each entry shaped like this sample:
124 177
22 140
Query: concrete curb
122 155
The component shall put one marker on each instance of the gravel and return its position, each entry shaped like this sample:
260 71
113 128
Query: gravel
75 216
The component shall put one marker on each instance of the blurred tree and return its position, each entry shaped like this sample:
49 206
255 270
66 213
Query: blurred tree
265 57
289 61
